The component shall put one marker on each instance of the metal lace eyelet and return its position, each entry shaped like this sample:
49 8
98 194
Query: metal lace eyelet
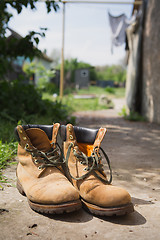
39 168
70 137
72 144
27 145
36 161
85 169
81 162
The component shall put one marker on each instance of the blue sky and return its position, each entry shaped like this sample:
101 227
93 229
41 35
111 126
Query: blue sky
87 31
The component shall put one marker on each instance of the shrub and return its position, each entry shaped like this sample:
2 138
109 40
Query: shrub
21 101
110 90
50 88
115 72
22 104
135 116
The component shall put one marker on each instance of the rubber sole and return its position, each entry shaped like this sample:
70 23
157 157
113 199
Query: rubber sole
51 209
110 211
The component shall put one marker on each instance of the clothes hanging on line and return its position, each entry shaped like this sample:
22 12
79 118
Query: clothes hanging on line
118 25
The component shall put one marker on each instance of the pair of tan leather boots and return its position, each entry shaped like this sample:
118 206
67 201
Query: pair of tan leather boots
60 170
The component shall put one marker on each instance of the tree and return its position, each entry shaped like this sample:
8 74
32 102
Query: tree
9 50
115 72
42 73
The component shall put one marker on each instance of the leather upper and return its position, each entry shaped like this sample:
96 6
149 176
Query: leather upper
44 186
92 189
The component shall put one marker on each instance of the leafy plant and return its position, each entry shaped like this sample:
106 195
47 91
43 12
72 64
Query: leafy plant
51 88
110 90
132 115
41 72
115 72
7 154
123 112
23 102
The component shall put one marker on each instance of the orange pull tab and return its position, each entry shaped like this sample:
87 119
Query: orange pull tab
100 135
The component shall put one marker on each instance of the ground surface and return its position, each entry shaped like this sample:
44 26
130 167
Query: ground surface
134 152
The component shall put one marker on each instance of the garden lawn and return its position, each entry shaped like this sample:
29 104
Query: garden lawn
88 104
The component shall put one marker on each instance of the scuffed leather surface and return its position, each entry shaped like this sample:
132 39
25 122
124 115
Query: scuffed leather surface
46 186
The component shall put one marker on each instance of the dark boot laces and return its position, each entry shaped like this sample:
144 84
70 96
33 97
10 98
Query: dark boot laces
92 163
51 158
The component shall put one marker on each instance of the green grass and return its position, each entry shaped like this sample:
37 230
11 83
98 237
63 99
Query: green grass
8 143
88 104
81 104
118 92
7 156
84 104
131 115
110 90
92 90
8 146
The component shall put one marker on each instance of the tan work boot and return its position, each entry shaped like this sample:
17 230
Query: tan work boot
39 173
85 171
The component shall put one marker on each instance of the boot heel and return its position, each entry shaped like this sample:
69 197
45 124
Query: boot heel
20 189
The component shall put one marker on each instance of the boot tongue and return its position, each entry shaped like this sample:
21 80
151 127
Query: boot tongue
39 139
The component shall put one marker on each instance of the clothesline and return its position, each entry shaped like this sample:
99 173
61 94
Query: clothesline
100 2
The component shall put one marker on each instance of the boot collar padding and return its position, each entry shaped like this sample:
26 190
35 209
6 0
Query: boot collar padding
39 139
83 135
34 137
46 128
71 136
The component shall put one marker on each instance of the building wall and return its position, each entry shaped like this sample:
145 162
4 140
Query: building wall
151 63
43 62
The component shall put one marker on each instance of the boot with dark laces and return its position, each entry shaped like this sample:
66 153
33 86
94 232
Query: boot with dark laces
91 163
85 170
51 158
40 174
